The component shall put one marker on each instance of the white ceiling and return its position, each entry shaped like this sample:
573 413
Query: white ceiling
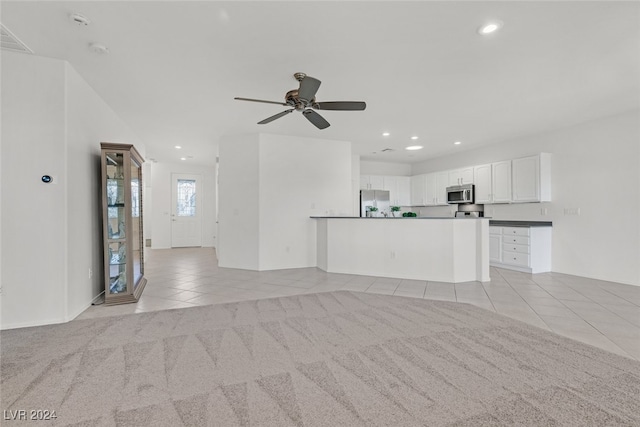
175 67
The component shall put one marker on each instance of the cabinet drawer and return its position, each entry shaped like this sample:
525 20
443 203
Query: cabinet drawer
515 231
495 230
512 247
518 240
515 258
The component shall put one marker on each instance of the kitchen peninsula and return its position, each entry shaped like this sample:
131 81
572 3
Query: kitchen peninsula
436 249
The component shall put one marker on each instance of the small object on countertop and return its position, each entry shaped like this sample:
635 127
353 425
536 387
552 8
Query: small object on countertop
409 214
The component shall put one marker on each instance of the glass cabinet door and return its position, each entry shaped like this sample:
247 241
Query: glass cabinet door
116 223
122 215
136 223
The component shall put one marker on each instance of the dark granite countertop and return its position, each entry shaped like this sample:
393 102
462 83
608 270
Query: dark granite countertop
391 217
507 223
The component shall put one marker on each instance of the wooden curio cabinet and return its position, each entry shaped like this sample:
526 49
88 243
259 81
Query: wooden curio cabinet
122 223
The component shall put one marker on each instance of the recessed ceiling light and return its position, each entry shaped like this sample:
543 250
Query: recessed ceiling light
183 158
457 143
414 137
414 147
386 134
178 147
490 27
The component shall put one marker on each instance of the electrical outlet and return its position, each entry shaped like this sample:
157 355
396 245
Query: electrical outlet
90 273
544 211
572 211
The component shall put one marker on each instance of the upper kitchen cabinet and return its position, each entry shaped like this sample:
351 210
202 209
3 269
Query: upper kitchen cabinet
441 184
425 190
501 182
461 176
371 182
531 179
399 190
482 181
418 190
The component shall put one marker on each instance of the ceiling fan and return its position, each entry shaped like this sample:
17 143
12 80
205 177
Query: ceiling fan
303 99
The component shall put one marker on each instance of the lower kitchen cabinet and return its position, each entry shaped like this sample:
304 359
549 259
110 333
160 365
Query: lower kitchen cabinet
526 249
495 245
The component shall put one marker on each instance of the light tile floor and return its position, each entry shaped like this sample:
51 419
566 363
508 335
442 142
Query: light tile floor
600 313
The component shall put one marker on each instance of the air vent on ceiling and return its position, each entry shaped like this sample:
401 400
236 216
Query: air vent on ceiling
11 42
387 149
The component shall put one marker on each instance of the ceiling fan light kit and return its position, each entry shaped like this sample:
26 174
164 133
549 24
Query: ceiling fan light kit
303 100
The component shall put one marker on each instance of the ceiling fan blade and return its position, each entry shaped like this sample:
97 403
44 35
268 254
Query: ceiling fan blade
261 100
308 88
277 116
315 118
340 105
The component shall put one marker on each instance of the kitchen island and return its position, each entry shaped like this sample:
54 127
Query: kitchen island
435 249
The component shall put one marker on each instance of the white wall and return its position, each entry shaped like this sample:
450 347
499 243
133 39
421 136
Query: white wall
34 234
52 123
368 167
299 177
159 213
269 185
595 167
238 198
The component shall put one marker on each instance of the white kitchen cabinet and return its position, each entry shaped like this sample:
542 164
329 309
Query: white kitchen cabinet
526 249
501 182
493 182
418 190
431 189
371 182
531 179
495 245
461 176
482 182
399 189
424 189
441 184
364 182
403 195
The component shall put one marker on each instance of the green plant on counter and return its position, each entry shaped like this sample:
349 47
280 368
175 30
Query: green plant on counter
409 214
372 209
394 209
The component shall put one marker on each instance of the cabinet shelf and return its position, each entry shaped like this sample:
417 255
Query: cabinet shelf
122 225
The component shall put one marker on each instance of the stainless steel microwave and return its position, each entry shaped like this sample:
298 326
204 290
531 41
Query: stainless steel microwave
460 194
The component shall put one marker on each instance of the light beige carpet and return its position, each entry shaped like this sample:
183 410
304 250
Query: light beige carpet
328 359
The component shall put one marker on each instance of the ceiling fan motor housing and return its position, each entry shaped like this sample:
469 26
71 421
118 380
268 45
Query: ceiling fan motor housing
292 99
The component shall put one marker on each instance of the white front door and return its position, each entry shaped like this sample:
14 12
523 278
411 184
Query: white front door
186 210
